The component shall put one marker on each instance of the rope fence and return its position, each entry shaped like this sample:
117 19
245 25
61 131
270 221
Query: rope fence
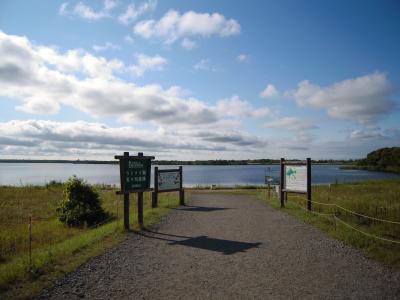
334 216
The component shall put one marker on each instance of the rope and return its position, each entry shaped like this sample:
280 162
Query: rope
348 225
367 234
356 213
313 212
368 217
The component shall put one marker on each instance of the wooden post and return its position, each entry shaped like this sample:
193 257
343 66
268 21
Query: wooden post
309 183
281 192
30 242
126 211
140 202
140 208
181 191
126 200
154 198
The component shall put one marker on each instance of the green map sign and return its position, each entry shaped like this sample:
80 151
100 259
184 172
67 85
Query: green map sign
170 180
135 174
296 178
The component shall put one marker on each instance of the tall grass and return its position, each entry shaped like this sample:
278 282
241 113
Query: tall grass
378 199
52 242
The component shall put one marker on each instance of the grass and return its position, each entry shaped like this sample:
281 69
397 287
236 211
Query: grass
56 248
378 199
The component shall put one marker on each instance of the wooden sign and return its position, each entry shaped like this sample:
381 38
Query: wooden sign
135 174
295 178
169 180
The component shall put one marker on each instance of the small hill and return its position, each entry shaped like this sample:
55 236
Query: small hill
384 159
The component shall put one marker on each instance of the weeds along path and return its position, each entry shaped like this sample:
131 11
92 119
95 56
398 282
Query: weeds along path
226 247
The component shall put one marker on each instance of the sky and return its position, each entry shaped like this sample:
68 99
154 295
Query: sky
198 79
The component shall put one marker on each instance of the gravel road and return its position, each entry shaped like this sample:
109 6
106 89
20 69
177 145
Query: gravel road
229 247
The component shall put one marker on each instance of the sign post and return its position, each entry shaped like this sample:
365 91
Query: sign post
295 178
135 173
168 180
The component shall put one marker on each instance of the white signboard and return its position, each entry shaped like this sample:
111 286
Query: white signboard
296 178
169 180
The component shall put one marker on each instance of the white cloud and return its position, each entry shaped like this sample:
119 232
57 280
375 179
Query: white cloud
205 65
146 63
43 80
173 26
65 138
242 58
363 99
236 107
132 12
128 39
63 10
188 44
291 123
106 46
269 92
86 12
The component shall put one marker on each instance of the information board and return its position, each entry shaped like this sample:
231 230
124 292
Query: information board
135 174
170 180
296 178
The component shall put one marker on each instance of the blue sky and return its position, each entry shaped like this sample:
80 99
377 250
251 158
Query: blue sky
198 79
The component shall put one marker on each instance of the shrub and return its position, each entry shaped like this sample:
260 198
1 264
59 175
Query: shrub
80 204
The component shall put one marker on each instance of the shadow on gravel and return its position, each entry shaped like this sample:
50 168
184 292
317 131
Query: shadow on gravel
226 247
201 208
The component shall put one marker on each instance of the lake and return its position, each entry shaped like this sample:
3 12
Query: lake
40 173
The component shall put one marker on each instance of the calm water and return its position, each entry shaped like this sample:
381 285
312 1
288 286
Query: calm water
25 173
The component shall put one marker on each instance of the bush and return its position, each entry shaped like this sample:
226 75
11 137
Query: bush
80 204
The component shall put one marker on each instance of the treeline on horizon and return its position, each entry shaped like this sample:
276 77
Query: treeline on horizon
217 162
384 159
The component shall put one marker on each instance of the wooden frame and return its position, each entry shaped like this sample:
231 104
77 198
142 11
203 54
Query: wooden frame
122 161
282 187
157 191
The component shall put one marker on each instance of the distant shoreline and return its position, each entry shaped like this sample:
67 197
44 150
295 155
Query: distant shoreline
175 162
371 168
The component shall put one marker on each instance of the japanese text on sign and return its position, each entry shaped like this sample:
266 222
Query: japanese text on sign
136 174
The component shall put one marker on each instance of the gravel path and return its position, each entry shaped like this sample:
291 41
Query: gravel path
229 247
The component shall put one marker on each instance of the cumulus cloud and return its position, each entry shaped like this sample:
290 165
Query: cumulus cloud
291 123
242 58
49 136
43 80
205 65
88 13
269 92
173 26
236 107
128 39
106 46
145 63
363 99
188 44
133 12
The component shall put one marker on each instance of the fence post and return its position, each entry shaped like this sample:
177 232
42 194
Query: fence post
309 183
281 192
140 208
30 242
154 198
126 211
181 191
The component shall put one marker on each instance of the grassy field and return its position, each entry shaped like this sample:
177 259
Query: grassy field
57 249
377 199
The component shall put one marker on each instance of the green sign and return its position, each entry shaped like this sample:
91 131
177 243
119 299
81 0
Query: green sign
135 174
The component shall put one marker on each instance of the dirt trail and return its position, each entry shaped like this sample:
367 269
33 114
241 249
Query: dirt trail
229 247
